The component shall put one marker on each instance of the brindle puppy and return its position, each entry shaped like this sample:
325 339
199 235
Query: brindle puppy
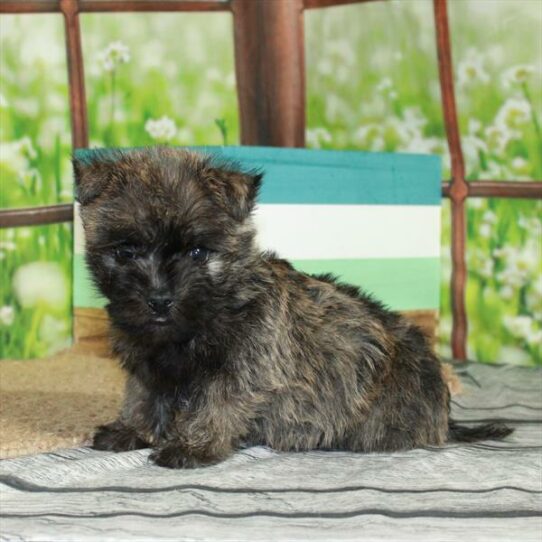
224 344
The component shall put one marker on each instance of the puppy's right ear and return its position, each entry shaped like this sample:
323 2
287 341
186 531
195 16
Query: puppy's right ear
91 178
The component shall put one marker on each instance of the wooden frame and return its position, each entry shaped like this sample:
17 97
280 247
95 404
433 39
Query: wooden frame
272 109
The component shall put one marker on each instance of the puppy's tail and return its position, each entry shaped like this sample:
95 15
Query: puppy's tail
493 431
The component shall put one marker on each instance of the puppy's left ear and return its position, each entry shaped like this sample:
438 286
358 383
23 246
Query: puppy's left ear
234 191
90 180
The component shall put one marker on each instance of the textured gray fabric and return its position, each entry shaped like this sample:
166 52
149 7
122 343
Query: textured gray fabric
484 491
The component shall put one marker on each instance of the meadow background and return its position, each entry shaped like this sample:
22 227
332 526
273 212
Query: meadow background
372 84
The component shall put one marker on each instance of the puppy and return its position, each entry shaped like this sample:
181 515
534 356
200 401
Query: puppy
227 346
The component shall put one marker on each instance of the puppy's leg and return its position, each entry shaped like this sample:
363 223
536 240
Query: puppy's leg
117 437
126 432
209 433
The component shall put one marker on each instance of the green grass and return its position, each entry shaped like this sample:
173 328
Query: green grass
372 84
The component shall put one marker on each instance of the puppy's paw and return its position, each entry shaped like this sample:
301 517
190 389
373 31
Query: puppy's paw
116 437
173 457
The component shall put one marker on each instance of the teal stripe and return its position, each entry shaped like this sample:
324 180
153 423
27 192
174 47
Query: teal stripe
335 177
401 283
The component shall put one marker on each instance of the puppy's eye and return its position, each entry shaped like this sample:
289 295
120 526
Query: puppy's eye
199 254
125 252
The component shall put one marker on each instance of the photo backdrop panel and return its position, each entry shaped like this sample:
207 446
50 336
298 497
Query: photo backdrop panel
371 219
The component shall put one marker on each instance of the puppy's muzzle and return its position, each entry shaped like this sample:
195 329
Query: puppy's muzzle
160 305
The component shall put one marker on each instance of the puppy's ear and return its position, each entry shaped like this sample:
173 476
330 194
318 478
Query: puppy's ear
90 180
93 170
234 191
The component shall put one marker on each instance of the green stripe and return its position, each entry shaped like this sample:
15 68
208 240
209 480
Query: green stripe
401 283
332 177
84 294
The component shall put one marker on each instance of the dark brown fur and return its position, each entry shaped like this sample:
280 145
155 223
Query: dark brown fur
250 351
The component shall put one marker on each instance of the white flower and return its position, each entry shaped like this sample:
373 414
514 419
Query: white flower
369 137
516 75
471 69
385 84
316 136
423 145
162 129
113 55
507 292
476 203
342 51
490 217
40 283
474 126
336 108
52 330
520 264
498 136
230 80
513 113
533 225
17 154
414 119
214 75
520 164
325 67
10 246
485 230
486 270
7 315
521 326
472 148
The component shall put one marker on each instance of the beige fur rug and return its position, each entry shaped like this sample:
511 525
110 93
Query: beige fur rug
55 402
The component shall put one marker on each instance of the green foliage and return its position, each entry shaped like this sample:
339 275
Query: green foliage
372 84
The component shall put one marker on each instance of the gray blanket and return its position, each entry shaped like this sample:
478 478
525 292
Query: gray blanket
483 491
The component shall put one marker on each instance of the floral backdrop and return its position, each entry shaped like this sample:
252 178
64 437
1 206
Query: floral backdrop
372 84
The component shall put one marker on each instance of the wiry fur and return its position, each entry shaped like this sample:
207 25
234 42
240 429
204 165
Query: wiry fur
254 351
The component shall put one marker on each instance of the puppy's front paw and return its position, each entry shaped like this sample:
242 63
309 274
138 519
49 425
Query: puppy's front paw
116 437
173 457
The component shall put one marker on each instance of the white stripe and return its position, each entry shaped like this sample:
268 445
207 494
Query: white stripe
309 232
78 232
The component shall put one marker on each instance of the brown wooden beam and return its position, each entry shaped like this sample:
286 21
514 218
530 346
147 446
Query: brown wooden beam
33 216
458 189
500 189
76 75
505 189
52 6
270 70
22 6
315 4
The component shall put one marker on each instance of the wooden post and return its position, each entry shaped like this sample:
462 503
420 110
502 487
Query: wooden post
270 70
76 76
459 188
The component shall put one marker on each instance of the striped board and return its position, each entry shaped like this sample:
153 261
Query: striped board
372 219
485 491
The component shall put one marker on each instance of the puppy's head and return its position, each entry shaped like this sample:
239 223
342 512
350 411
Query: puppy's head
169 237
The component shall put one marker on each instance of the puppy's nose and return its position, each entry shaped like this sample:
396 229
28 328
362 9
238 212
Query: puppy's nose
160 304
